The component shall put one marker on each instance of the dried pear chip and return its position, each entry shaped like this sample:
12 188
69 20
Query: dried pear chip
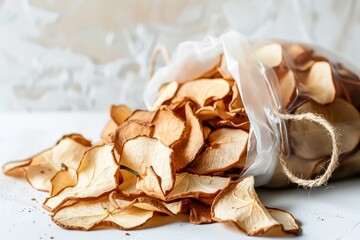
119 113
191 143
168 127
230 124
194 186
310 141
206 131
287 86
62 179
200 213
287 221
107 133
270 55
236 102
319 84
98 173
150 183
129 130
87 215
142 116
226 148
240 204
203 90
39 170
166 93
128 185
142 152
148 203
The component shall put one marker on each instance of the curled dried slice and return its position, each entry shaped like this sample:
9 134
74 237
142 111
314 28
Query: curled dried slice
191 143
107 133
87 215
244 125
166 93
191 185
128 185
119 113
129 130
287 221
240 204
310 141
236 102
200 213
287 88
227 146
142 116
62 179
98 173
270 55
39 170
168 127
204 90
141 153
319 84
150 183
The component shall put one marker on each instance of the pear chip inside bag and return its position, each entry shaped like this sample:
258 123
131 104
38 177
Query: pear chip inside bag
225 115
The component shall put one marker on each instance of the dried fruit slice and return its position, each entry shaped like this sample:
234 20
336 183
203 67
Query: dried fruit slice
236 102
200 213
240 204
245 125
119 113
129 130
226 148
310 141
150 183
107 133
39 170
287 221
287 86
204 90
62 179
87 215
142 152
191 143
194 186
128 186
270 54
168 127
98 174
166 93
319 84
142 116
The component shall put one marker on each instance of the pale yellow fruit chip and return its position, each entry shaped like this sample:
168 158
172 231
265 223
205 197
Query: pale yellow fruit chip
143 152
119 113
310 140
240 204
62 179
128 185
98 173
142 116
319 84
168 127
131 129
270 55
287 221
39 170
195 186
148 203
191 143
87 215
227 146
150 183
166 93
204 90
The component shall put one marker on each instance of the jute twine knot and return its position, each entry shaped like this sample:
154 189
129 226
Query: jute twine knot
333 161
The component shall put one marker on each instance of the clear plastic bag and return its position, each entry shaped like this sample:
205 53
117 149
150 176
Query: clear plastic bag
287 78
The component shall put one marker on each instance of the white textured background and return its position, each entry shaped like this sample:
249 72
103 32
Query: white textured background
87 54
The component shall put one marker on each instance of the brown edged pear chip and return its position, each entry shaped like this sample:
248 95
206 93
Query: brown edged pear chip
310 141
39 170
142 116
245 125
142 152
166 93
63 179
192 141
107 134
200 213
203 90
240 204
87 215
195 186
226 148
131 129
98 173
128 185
319 84
119 113
150 183
168 127
236 102
287 86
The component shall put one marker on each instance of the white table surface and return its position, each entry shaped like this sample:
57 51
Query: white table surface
331 212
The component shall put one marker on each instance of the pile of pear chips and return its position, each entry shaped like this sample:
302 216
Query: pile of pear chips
186 154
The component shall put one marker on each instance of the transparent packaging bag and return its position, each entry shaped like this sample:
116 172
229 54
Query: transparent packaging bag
302 103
